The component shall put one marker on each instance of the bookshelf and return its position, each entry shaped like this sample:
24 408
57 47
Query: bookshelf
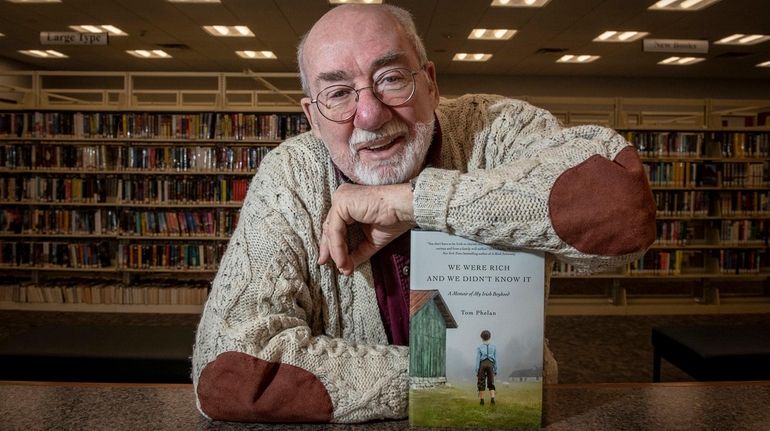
126 203
140 167
708 163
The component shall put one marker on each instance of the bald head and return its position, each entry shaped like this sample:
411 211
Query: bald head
348 21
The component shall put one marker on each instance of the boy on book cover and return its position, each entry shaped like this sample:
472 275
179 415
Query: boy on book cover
486 367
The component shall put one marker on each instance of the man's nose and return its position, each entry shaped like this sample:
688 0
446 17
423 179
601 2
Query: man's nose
371 114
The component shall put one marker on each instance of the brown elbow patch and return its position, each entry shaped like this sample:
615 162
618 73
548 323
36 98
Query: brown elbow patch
239 387
604 207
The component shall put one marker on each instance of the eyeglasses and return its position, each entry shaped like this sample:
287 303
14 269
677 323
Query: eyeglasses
393 87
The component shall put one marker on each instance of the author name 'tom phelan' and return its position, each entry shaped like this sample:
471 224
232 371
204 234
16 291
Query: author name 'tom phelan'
478 313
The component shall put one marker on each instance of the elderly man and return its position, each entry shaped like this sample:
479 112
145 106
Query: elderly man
308 315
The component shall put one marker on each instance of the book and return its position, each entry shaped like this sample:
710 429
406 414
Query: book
461 292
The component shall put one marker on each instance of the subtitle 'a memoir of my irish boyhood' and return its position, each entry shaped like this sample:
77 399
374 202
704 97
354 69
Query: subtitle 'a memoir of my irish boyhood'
476 334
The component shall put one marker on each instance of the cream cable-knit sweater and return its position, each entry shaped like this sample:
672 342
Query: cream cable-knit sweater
499 160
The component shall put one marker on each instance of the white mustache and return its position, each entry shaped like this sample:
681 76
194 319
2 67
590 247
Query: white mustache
390 130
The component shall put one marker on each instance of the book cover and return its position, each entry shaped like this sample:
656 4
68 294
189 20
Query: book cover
476 334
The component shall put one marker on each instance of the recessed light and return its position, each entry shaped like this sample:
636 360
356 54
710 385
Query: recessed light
681 61
257 55
1 34
620 36
355 1
104 28
743 39
764 64
574 58
681 5
491 34
145 53
228 30
464 56
519 3
48 53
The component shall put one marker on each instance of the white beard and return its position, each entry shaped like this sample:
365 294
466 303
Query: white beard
401 167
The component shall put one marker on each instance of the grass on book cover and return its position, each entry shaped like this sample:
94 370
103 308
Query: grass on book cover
476 335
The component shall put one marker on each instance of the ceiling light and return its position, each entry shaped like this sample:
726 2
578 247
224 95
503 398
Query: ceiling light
114 31
464 56
569 58
193 1
105 28
605 36
749 39
689 3
1 34
229 31
355 1
620 36
743 39
49 53
520 3
143 53
728 39
628 35
764 64
681 5
681 61
256 55
491 34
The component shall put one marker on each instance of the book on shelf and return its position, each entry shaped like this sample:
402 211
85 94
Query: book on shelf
745 203
461 291
106 292
742 261
682 203
666 144
742 145
663 262
751 232
138 125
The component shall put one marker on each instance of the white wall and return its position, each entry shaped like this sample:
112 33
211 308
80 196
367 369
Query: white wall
7 96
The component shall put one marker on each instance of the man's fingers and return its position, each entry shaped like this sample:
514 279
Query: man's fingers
336 233
323 249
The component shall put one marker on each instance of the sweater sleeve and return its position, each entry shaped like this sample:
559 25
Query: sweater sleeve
580 193
261 354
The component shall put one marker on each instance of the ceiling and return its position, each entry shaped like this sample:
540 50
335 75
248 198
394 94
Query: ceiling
568 25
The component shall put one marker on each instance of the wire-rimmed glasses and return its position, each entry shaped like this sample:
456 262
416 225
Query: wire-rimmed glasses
393 87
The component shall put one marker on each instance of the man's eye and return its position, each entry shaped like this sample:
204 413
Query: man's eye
394 78
338 93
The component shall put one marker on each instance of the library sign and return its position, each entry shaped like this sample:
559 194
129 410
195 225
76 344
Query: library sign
691 46
73 38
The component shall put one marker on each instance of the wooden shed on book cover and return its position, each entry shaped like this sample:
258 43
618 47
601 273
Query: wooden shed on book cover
429 318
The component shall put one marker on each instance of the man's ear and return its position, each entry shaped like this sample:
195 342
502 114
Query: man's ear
308 108
430 69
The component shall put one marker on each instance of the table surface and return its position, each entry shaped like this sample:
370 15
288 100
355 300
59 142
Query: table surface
720 406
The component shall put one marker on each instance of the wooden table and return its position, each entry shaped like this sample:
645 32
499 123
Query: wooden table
661 406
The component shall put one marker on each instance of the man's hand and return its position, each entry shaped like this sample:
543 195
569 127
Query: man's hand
384 212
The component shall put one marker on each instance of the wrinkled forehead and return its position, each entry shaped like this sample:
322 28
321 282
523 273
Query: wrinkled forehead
351 45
